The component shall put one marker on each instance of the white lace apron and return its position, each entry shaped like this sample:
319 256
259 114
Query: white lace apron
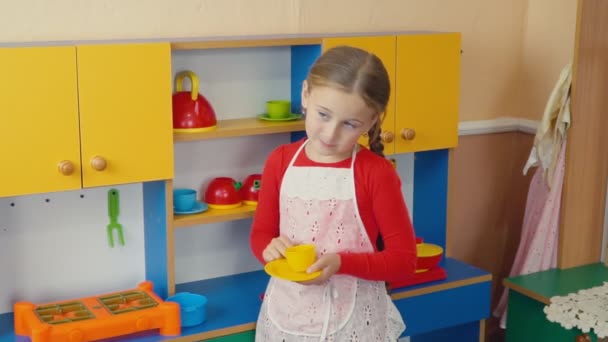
318 206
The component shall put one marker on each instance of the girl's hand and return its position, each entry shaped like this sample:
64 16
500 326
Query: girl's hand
276 248
328 264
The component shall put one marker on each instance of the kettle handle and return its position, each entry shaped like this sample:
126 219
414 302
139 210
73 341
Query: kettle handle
179 79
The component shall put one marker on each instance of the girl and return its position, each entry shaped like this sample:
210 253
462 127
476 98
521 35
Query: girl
329 191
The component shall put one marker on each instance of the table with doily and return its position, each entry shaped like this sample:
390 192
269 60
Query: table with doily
559 305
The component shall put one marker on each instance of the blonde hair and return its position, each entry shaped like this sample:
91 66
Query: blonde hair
354 70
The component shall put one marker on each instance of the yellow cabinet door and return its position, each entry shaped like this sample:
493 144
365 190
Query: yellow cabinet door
125 113
38 120
428 75
385 48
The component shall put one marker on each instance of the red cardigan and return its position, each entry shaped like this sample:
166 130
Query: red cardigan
381 206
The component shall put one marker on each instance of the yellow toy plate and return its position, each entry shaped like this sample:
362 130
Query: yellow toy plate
280 269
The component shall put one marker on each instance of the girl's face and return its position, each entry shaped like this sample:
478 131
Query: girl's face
334 122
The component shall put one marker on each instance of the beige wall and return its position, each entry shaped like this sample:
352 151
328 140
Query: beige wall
548 45
486 205
494 33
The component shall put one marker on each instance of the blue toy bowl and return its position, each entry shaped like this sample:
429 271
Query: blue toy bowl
192 308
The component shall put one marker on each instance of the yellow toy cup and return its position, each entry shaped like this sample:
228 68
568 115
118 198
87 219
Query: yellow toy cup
299 258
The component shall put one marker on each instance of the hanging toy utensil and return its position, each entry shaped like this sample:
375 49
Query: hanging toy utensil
113 205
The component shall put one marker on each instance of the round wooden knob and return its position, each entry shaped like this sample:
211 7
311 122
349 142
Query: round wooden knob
387 137
66 167
98 163
408 133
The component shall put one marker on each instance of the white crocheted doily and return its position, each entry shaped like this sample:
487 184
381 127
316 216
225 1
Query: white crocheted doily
587 309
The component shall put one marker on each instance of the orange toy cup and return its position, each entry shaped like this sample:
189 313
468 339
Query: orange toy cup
300 257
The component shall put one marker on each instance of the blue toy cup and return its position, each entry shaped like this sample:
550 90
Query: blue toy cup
184 199
192 308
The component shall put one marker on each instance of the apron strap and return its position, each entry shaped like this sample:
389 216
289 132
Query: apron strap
295 155
329 293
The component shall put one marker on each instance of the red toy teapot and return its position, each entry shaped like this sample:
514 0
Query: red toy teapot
251 188
223 193
191 110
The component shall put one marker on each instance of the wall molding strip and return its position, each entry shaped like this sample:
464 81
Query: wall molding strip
503 124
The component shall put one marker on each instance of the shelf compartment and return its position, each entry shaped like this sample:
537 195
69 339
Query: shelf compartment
242 127
213 216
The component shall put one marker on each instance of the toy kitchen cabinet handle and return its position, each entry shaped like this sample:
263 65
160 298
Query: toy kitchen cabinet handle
387 137
99 163
66 167
408 134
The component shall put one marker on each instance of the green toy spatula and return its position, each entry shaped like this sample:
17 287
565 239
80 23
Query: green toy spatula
113 205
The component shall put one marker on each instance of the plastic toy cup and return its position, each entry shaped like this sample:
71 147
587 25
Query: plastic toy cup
278 109
299 258
184 199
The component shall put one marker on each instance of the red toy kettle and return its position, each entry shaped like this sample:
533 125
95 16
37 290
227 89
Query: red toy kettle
191 110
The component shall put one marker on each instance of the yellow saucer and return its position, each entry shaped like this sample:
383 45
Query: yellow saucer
280 269
195 130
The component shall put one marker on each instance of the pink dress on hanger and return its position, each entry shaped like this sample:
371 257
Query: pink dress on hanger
537 250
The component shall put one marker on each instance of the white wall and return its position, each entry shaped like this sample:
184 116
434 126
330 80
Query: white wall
59 249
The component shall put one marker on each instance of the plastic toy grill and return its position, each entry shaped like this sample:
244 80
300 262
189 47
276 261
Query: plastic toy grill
127 302
63 313
98 317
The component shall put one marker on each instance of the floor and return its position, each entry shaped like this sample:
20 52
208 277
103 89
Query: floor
493 332
496 336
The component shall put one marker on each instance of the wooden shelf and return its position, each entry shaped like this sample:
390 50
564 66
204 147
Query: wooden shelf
214 215
245 43
242 127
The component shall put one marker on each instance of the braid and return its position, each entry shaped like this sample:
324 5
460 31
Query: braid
375 142
376 146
